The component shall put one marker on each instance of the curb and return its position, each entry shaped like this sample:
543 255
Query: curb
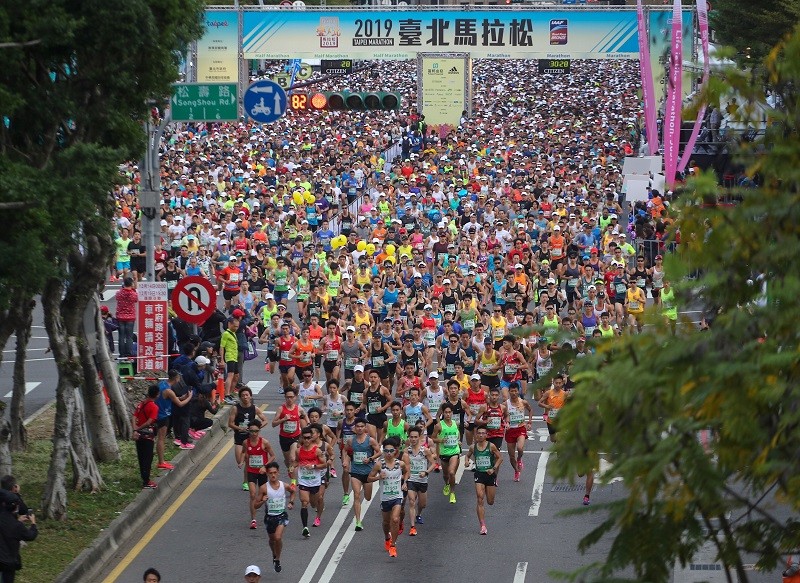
87 565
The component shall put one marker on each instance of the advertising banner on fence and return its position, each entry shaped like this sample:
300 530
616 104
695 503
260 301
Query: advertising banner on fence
218 49
443 88
513 34
152 322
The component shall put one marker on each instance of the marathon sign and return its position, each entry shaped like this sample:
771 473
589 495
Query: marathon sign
403 34
152 319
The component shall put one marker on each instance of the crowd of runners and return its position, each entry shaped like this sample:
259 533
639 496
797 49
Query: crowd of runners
407 303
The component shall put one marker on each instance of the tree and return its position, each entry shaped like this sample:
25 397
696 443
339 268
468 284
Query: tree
646 398
74 104
755 25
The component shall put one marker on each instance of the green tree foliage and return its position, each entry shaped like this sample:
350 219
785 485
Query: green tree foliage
647 400
757 24
74 90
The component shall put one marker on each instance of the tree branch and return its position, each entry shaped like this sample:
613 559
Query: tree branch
19 45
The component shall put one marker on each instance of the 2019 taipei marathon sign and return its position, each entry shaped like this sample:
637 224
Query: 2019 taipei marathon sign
395 34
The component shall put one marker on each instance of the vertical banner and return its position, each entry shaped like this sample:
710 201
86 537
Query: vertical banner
443 89
702 22
152 318
218 48
672 112
648 89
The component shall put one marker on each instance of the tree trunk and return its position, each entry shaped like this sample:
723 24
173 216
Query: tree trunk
5 450
103 440
120 407
69 412
19 435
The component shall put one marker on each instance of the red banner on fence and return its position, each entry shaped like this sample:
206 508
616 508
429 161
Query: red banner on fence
153 326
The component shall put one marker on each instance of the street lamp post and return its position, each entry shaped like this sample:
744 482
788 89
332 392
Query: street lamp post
150 194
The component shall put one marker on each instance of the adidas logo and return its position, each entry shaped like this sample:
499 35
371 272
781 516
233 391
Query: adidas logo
453 70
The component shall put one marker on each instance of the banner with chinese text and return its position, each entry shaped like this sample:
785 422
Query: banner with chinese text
152 322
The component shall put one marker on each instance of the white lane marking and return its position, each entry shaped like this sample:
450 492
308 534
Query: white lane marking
322 550
460 470
538 484
108 294
256 386
38 359
603 470
519 575
27 350
347 537
28 388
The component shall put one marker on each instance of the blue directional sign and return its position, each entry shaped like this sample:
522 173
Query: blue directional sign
265 101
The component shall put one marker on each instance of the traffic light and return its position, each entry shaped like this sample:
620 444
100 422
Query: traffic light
361 100
345 101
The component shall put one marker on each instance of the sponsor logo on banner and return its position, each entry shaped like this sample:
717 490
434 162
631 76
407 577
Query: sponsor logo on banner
329 32
558 31
453 71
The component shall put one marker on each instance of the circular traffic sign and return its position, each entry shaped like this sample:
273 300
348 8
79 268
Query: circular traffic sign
194 299
265 101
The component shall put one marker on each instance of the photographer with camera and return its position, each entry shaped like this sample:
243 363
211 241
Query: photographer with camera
13 530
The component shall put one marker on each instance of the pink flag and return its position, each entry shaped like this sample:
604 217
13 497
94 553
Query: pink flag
672 113
648 91
702 19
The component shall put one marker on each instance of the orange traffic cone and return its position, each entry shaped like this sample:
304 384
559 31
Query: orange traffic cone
219 391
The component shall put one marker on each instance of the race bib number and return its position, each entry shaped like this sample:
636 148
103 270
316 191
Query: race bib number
391 488
289 426
360 457
284 355
620 287
451 368
493 423
357 398
171 284
276 506
256 461
307 473
483 463
553 413
418 465
430 336
469 325
510 369
350 363
450 441
633 305
377 361
373 407
333 354
515 418
305 357
474 408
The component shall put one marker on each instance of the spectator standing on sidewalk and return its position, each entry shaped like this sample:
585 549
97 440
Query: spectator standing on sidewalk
145 418
127 299
12 531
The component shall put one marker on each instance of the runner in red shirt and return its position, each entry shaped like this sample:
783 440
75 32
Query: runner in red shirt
144 425
286 363
258 453
231 277
331 349
291 419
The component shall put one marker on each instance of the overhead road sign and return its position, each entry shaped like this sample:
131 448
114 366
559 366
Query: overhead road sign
204 102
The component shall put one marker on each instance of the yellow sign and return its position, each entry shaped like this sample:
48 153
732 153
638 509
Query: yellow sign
443 91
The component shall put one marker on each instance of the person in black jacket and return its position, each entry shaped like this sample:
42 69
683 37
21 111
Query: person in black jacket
12 531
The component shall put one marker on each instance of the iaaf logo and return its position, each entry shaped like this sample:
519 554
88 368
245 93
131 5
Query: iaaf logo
558 31
216 23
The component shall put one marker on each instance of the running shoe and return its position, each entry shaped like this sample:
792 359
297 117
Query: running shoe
470 466
165 466
306 532
317 522
393 551
359 526
446 490
412 531
437 468
281 391
277 564
187 446
419 519
177 442
452 497
151 485
586 500
520 465
231 400
400 530
245 487
483 529
387 544
516 476
192 434
333 473
253 525
345 499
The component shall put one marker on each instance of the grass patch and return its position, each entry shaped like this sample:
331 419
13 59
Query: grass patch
87 515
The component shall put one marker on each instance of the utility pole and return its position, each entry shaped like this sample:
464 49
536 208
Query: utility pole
150 193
